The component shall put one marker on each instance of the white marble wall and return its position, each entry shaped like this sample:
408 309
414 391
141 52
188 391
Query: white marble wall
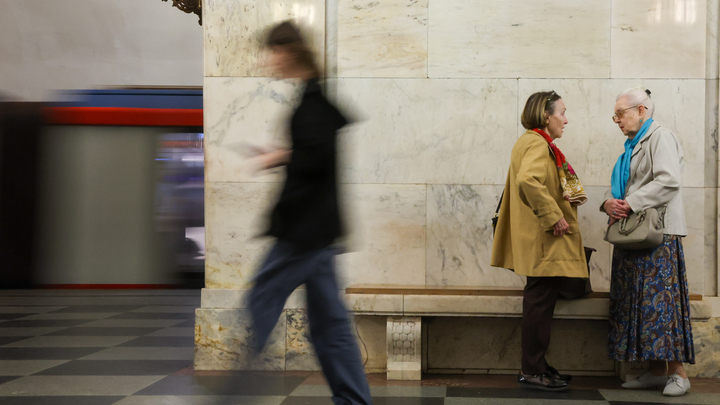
385 38
435 89
235 29
519 38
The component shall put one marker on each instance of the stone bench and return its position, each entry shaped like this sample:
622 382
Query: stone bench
404 307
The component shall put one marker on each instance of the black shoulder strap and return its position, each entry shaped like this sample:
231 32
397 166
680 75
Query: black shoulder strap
500 202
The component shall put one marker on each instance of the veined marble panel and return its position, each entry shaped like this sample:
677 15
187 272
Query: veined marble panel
494 344
386 239
300 354
235 31
712 107
374 304
442 131
459 242
370 332
658 39
384 38
712 34
707 349
592 142
694 243
386 233
223 338
219 298
235 215
518 38
711 242
462 304
331 38
240 112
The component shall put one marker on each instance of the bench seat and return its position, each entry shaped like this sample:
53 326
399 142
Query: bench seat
404 307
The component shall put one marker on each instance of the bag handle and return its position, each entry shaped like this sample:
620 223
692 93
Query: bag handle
623 224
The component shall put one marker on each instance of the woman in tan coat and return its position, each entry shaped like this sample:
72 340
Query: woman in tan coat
537 233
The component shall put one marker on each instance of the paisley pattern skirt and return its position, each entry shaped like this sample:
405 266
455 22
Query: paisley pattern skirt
650 305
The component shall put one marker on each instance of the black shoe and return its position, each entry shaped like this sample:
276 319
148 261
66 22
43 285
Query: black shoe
542 382
556 374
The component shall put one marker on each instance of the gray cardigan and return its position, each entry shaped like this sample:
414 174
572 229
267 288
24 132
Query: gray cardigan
656 172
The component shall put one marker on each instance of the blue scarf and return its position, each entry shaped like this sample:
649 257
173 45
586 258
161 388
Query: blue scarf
621 172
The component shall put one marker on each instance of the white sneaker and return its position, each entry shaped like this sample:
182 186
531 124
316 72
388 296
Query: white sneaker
646 380
676 386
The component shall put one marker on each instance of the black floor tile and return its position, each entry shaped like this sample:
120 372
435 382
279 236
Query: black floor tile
161 341
376 401
82 331
46 353
84 400
578 395
44 323
4 379
646 403
307 401
408 401
11 316
187 324
118 367
154 315
241 384
6 340
100 308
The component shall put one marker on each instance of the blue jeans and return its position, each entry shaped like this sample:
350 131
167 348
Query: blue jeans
286 268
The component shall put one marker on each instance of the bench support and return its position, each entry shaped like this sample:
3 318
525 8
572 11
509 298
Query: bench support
404 349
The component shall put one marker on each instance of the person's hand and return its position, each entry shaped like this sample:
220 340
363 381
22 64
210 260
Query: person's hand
561 227
612 221
273 159
254 150
617 209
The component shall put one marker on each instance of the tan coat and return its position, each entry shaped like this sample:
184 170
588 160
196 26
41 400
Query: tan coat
532 204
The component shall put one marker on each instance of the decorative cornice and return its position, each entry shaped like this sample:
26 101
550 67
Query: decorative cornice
189 6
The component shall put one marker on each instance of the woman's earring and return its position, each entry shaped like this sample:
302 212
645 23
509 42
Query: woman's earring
641 120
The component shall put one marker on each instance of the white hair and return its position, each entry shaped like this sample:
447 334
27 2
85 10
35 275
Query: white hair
638 96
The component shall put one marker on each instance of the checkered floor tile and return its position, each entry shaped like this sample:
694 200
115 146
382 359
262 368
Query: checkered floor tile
136 348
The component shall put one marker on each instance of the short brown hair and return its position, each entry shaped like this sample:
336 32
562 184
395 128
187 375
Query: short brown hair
533 116
287 35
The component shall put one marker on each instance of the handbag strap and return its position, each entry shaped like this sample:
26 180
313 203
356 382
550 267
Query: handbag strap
497 210
640 220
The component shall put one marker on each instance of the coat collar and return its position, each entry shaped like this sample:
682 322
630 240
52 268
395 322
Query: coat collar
530 131
653 127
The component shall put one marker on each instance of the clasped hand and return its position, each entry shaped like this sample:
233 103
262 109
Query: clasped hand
616 209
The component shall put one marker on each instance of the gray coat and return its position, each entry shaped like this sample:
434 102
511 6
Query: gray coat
656 173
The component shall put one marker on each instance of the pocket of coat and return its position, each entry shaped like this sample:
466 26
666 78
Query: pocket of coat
566 247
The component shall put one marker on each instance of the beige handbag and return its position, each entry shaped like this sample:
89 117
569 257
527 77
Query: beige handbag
640 230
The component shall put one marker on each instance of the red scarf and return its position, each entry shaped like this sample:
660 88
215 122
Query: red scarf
559 157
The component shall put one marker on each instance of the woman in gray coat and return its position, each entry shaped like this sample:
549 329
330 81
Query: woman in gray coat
649 297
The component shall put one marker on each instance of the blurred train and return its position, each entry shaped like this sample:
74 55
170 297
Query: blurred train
103 189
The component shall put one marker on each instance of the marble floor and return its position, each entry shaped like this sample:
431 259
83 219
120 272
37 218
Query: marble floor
61 347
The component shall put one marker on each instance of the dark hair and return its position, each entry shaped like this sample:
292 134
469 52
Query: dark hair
533 116
287 35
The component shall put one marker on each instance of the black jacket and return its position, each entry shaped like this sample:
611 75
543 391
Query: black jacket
307 212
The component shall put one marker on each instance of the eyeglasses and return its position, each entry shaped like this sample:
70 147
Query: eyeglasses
620 113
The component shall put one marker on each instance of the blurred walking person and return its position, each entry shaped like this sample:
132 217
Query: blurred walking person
306 223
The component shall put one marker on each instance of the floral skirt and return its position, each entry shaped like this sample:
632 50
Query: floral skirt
650 305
